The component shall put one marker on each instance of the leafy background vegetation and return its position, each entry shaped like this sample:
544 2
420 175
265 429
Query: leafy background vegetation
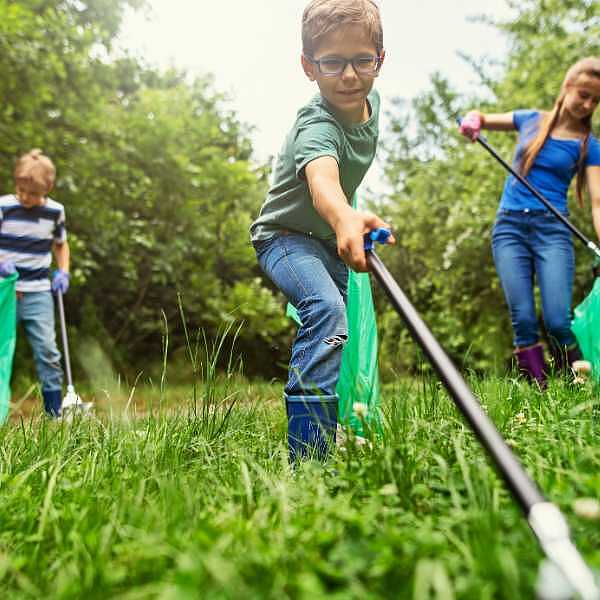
160 187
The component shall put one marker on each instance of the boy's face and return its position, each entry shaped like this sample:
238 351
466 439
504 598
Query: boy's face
346 92
31 194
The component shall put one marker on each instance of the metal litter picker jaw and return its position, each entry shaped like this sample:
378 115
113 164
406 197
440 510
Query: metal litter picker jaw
72 403
544 518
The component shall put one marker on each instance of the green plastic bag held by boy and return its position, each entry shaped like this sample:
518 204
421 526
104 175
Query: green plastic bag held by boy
8 338
358 385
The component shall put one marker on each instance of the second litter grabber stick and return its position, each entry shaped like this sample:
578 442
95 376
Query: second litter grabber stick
544 518
574 230
72 403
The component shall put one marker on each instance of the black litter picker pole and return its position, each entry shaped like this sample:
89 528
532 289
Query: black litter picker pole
574 230
544 518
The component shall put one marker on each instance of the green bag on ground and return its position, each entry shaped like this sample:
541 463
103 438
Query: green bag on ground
586 327
8 338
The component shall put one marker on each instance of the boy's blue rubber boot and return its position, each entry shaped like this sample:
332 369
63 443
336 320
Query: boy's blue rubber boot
312 424
52 402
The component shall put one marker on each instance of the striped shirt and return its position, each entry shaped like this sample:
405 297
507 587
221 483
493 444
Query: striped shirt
26 238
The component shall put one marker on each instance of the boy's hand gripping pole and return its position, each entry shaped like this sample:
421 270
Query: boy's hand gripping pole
544 518
591 245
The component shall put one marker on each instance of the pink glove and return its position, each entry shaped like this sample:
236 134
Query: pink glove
470 126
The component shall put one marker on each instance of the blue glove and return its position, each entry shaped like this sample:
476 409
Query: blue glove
60 281
7 268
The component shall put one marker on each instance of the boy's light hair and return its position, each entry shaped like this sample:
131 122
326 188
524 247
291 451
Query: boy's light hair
35 167
323 16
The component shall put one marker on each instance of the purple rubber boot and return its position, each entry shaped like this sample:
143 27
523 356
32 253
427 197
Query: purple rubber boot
531 364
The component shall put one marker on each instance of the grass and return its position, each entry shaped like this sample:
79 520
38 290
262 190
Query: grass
163 497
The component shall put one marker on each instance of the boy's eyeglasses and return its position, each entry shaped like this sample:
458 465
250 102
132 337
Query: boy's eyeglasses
364 64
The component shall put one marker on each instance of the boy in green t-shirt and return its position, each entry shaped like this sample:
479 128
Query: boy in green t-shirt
307 233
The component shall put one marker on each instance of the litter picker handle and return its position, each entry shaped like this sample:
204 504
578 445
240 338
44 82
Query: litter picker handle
519 482
65 341
574 230
544 518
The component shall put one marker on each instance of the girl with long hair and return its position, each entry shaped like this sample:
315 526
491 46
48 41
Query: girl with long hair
528 241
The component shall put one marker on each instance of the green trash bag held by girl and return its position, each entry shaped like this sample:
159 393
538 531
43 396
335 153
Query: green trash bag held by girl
586 327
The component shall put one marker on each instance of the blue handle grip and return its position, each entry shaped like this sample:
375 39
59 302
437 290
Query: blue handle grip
379 235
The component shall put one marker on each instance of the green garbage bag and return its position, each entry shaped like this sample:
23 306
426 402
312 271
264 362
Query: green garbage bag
8 338
359 373
358 386
586 327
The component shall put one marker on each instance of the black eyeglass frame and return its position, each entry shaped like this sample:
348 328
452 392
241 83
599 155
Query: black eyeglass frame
377 61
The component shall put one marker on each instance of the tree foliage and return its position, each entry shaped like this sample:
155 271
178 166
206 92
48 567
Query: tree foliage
157 177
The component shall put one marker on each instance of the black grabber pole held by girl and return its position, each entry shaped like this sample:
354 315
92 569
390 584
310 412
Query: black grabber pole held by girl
591 245
544 518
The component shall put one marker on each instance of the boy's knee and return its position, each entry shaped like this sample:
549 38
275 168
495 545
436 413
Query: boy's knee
316 310
332 306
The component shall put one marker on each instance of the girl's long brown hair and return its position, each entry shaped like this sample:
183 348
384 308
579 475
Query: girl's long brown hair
586 66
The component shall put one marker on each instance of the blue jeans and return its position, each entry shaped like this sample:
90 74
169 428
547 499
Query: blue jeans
535 243
35 310
314 279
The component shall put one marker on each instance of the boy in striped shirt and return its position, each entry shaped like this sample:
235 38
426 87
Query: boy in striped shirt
32 228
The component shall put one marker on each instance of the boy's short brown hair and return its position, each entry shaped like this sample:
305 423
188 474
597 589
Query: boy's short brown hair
35 167
322 16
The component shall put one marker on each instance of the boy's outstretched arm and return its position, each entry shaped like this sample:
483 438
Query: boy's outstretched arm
350 225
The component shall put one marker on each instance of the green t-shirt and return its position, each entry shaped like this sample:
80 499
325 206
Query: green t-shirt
316 133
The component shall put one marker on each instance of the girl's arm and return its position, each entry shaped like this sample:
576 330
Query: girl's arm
475 121
592 175
496 121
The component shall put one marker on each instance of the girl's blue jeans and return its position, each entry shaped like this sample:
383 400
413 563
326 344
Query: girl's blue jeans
35 311
528 245
309 272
